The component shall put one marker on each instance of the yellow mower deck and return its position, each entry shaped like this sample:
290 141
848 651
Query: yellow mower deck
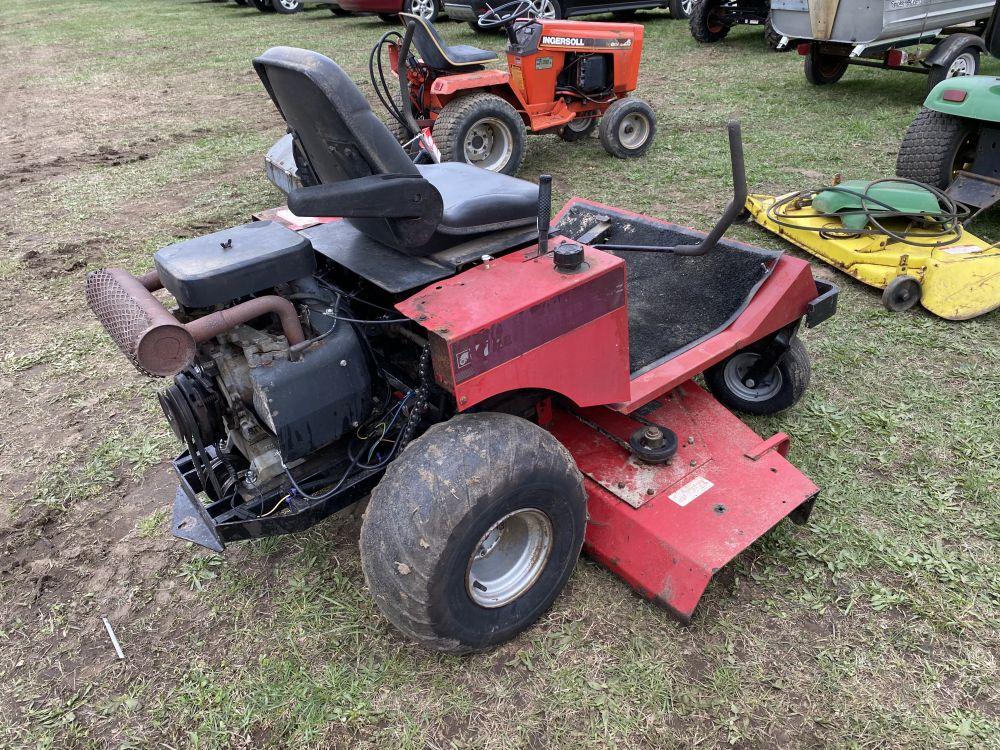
958 281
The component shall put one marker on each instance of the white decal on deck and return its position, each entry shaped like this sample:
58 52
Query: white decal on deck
691 491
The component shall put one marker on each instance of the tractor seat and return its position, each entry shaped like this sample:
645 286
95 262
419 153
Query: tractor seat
440 56
341 140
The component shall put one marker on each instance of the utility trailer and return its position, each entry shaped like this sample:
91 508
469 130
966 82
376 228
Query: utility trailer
834 34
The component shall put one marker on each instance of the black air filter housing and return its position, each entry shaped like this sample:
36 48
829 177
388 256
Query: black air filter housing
223 266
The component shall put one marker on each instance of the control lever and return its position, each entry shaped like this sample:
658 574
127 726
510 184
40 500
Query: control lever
544 212
733 210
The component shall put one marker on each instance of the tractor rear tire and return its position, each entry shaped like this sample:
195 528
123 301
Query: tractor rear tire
824 69
706 25
473 531
628 128
469 130
935 147
780 389
579 128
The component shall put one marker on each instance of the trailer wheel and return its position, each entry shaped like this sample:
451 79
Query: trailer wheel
900 294
708 21
965 62
579 127
627 128
481 129
823 69
473 531
781 388
287 6
936 146
680 9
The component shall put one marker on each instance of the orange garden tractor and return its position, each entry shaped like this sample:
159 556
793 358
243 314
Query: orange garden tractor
562 77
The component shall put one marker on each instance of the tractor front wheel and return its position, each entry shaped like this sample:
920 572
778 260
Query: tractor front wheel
627 128
778 389
936 146
579 127
823 69
473 531
709 22
483 130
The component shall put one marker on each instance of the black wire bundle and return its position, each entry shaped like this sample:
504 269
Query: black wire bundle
943 227
376 73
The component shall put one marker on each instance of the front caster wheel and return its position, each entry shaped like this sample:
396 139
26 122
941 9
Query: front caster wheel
627 128
900 294
775 391
473 531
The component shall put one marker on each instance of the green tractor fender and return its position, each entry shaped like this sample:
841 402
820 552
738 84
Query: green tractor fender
969 97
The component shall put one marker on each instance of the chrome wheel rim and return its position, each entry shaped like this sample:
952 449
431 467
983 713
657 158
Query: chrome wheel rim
542 9
686 6
736 370
633 130
289 4
488 144
509 558
423 8
963 65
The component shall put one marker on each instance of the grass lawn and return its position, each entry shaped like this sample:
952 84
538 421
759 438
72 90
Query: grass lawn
129 123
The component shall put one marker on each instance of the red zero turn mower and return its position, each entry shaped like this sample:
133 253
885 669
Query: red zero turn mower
507 392
562 77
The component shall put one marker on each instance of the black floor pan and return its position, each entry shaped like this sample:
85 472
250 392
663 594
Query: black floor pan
674 301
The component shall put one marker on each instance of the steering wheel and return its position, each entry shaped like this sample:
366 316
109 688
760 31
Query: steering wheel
504 14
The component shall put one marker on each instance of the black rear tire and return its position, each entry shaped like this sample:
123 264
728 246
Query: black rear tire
678 11
706 23
430 520
778 390
823 69
459 116
935 147
619 138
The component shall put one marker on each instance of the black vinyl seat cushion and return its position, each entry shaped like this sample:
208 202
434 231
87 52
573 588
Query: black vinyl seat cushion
441 56
476 200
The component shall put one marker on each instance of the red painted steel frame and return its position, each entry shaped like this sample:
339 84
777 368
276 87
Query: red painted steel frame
723 490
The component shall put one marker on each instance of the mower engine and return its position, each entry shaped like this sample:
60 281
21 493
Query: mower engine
253 388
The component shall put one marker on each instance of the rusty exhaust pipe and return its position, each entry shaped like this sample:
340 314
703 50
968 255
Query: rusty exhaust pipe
154 340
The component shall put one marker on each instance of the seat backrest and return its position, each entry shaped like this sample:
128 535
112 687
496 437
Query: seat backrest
430 46
333 126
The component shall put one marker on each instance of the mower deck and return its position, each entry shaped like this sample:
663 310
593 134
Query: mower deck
666 529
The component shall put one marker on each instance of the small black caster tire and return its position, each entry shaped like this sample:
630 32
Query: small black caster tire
901 294
778 390
473 531
627 128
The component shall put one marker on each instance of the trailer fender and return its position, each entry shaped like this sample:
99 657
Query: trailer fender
945 50
981 100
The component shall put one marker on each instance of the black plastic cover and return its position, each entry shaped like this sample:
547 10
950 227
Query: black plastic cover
223 266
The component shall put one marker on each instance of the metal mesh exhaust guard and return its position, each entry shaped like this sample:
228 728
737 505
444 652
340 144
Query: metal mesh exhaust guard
153 339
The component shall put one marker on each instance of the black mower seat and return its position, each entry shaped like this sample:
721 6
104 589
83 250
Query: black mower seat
441 56
338 138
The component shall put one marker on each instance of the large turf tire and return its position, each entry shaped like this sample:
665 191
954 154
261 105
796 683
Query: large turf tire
615 141
705 27
823 69
430 514
460 115
935 146
779 389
